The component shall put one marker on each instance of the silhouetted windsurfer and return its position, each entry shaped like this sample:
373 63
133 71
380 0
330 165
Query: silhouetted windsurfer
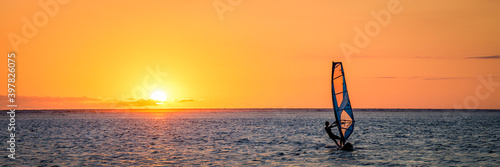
328 129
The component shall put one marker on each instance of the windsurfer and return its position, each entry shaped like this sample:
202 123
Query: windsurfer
328 129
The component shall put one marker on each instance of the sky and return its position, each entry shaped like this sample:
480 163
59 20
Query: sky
251 54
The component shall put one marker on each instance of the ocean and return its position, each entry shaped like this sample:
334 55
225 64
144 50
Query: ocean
252 137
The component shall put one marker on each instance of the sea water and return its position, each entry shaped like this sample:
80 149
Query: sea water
254 137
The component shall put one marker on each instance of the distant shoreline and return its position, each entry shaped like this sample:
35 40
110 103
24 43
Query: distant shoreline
246 110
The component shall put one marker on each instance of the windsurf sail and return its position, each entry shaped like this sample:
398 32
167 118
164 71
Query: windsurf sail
341 103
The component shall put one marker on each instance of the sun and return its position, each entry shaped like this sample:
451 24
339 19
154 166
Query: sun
159 96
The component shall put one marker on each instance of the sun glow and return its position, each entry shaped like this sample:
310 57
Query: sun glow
159 96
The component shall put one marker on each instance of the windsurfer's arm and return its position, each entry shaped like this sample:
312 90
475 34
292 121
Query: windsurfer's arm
334 124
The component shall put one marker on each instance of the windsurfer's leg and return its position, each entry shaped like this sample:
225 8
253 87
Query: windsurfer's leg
336 137
333 137
337 143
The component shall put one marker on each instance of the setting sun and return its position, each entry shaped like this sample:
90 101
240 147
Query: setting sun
159 96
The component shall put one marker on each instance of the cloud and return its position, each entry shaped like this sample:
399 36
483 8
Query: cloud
137 103
485 57
442 78
46 102
425 57
184 100
422 78
47 99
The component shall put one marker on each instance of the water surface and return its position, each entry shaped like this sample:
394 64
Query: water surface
254 137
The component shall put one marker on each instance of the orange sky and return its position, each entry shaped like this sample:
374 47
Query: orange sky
255 54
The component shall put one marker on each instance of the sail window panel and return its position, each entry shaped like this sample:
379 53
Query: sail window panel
338 87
